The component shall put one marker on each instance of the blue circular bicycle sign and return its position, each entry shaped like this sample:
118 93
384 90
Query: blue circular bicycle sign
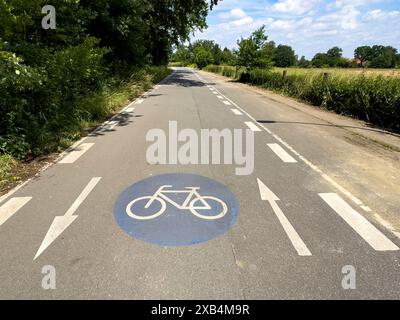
176 209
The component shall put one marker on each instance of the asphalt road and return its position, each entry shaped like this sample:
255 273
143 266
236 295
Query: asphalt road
296 230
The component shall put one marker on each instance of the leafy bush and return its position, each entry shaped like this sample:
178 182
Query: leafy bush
374 98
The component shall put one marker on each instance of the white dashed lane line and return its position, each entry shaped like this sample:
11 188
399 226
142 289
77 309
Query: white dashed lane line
361 225
237 112
76 153
227 103
281 153
307 162
252 126
11 207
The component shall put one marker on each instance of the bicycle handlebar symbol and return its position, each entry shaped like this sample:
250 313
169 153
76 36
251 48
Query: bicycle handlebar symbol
194 202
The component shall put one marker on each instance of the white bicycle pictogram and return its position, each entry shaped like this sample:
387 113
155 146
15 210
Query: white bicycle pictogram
193 196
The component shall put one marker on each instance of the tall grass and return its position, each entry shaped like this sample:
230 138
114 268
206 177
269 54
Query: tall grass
373 98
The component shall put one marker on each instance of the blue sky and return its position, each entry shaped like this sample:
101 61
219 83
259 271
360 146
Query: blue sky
309 26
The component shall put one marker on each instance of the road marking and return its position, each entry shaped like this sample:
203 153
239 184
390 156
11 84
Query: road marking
361 225
11 207
220 97
61 223
281 153
237 112
129 110
227 103
215 92
112 125
267 195
252 126
307 162
139 101
12 191
76 153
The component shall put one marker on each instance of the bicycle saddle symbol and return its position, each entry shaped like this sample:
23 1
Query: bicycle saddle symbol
202 207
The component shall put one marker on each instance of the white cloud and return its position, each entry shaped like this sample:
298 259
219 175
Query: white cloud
235 13
379 14
238 18
297 7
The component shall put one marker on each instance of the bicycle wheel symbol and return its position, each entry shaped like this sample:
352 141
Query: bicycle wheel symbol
149 215
209 200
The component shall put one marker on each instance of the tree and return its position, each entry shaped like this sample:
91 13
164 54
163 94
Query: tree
253 51
320 60
228 57
303 62
335 53
202 57
210 46
284 56
363 54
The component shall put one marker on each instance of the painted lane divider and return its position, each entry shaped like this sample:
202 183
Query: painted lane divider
306 161
252 126
227 103
129 110
220 97
237 112
75 153
281 153
61 223
11 207
267 195
361 225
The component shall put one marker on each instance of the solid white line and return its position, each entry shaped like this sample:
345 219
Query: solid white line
90 186
294 237
76 153
237 112
227 103
252 126
362 226
8 209
281 153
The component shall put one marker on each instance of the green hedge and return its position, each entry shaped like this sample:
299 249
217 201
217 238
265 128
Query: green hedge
373 98
43 106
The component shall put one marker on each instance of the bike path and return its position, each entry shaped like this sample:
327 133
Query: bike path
95 258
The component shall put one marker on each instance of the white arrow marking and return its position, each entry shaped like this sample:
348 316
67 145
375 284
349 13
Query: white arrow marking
63 222
268 195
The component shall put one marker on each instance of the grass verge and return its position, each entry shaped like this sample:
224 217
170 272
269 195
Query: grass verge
99 105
